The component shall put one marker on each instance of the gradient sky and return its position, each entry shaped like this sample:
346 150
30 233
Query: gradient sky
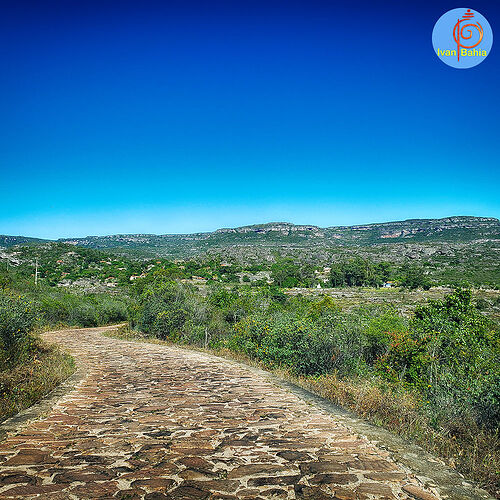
168 117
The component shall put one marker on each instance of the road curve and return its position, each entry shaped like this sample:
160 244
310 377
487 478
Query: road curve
156 422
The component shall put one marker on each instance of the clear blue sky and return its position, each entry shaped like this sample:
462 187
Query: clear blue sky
168 117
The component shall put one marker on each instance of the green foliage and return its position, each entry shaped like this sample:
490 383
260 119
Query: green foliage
284 340
448 352
414 276
164 310
155 278
451 354
317 339
17 318
326 306
287 274
379 331
55 306
358 272
406 361
274 295
59 262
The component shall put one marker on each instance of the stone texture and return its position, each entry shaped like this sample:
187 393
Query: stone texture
157 422
418 493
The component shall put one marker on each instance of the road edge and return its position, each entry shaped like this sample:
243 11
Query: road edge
15 424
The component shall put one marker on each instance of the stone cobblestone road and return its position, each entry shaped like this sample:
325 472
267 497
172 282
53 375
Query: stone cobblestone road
158 422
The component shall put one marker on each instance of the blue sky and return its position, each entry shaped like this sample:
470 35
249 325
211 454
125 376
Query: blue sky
168 117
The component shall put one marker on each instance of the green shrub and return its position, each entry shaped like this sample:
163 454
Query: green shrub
17 318
452 355
60 307
304 344
378 333
406 361
163 310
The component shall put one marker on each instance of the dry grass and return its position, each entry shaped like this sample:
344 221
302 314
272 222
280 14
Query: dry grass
468 448
32 379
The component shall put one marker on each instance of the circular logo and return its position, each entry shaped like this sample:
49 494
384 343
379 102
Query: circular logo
462 38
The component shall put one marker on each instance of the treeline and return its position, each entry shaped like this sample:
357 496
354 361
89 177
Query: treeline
285 272
59 262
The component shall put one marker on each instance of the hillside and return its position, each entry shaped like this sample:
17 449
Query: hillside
60 264
453 249
451 229
10 241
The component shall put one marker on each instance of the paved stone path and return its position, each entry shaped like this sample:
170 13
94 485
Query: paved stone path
158 422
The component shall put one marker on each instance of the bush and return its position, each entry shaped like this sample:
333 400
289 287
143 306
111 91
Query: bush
378 333
17 318
284 341
452 355
59 307
317 341
414 276
163 312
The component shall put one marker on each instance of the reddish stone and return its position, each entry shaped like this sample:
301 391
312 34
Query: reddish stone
308 492
154 483
196 463
341 494
294 456
130 494
263 481
18 478
274 493
250 470
82 477
95 490
381 490
418 493
30 457
41 489
157 496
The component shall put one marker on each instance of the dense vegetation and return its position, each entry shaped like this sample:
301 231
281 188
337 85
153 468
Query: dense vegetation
29 368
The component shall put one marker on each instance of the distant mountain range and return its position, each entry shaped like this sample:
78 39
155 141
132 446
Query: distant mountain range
460 229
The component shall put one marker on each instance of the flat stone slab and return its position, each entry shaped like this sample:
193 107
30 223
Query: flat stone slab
147 421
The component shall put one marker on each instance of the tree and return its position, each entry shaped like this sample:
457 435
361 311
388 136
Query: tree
337 276
414 276
285 273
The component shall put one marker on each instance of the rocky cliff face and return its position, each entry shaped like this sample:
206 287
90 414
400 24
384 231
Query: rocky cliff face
283 228
450 229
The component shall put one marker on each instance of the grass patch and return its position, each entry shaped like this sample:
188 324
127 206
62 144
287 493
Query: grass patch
41 371
470 449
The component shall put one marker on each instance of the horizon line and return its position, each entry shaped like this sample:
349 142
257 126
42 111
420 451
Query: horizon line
62 239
